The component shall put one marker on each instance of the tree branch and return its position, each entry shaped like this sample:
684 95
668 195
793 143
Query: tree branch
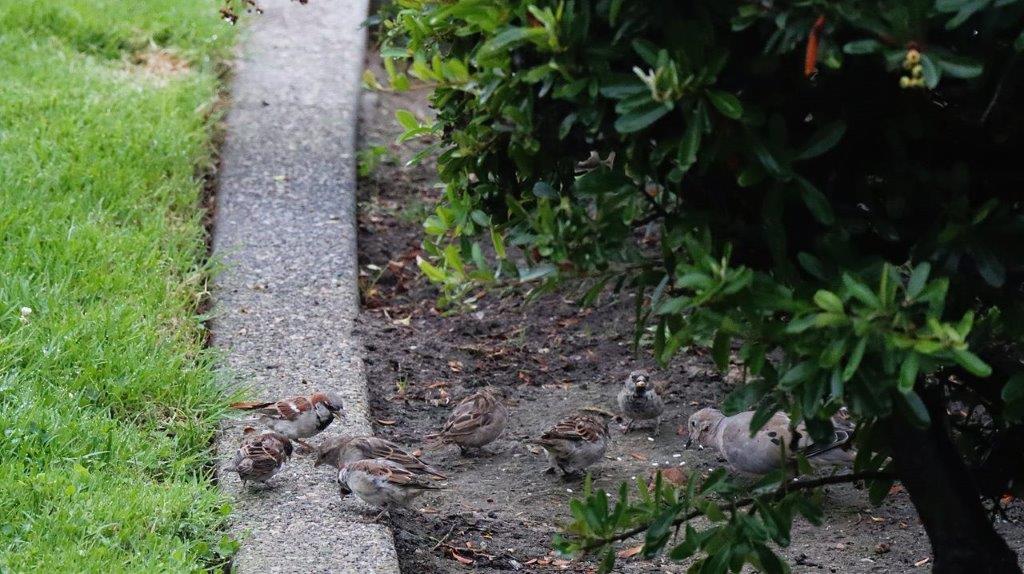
782 490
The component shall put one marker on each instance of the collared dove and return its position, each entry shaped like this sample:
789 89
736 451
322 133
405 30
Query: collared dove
764 452
639 400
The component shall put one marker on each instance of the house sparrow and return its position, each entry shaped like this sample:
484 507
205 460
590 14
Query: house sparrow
477 421
382 483
771 446
298 417
344 450
260 456
575 443
639 400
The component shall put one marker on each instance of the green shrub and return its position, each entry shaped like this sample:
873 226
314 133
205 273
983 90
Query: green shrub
832 183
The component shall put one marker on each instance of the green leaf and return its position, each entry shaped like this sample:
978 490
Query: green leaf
878 490
930 71
972 363
918 277
537 272
608 562
726 103
407 119
960 67
908 373
508 39
433 273
640 117
543 189
861 291
816 202
720 349
914 408
498 243
828 301
823 140
853 363
798 374
770 561
690 143
867 46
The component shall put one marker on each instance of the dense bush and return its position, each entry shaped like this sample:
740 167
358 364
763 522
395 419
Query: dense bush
824 191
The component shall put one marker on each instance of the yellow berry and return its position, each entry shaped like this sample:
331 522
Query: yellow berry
913 56
904 82
918 71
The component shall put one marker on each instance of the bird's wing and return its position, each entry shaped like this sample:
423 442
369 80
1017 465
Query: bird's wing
472 413
387 450
575 428
393 474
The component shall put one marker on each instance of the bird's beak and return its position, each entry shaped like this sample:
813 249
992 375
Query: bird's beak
337 415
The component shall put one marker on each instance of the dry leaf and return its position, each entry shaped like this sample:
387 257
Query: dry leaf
922 562
638 456
455 366
630 552
386 422
462 559
674 476
895 489
882 548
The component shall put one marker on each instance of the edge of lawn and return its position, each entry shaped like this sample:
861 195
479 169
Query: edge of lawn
109 114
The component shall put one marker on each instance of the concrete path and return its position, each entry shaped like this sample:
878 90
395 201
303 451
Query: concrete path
286 301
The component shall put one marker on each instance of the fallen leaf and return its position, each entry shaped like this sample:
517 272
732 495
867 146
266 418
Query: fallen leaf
630 552
386 422
674 475
638 456
455 366
895 489
462 559
877 519
1006 499
882 548
922 562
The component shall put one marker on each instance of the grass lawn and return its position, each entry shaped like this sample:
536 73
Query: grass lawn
107 398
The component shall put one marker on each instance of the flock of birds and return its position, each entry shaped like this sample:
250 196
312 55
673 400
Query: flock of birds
382 474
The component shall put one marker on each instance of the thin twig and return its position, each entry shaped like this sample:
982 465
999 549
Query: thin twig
780 491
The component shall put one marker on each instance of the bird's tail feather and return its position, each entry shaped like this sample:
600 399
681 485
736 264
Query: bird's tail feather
250 405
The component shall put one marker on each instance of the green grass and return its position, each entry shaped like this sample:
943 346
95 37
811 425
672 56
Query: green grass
107 398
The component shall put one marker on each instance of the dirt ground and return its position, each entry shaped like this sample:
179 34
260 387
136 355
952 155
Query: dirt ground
548 358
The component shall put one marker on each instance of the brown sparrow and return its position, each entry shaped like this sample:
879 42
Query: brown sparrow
575 443
382 483
260 456
639 400
476 421
298 417
344 450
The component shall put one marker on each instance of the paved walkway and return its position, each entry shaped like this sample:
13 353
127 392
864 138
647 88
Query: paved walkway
285 303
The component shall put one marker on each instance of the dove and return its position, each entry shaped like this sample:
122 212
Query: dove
382 483
638 400
764 452
260 456
297 417
476 421
344 450
574 443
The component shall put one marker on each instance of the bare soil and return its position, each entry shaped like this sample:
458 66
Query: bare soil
548 357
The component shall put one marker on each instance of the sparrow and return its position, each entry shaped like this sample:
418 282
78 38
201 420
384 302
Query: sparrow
260 456
769 448
344 450
639 400
575 443
382 483
476 421
297 417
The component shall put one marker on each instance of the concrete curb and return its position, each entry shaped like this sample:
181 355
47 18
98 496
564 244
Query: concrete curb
285 306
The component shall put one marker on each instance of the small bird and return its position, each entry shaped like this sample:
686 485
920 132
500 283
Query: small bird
260 456
476 421
382 483
574 443
344 450
639 400
769 448
297 417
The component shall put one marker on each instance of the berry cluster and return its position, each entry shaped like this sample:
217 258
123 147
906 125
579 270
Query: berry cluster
912 64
